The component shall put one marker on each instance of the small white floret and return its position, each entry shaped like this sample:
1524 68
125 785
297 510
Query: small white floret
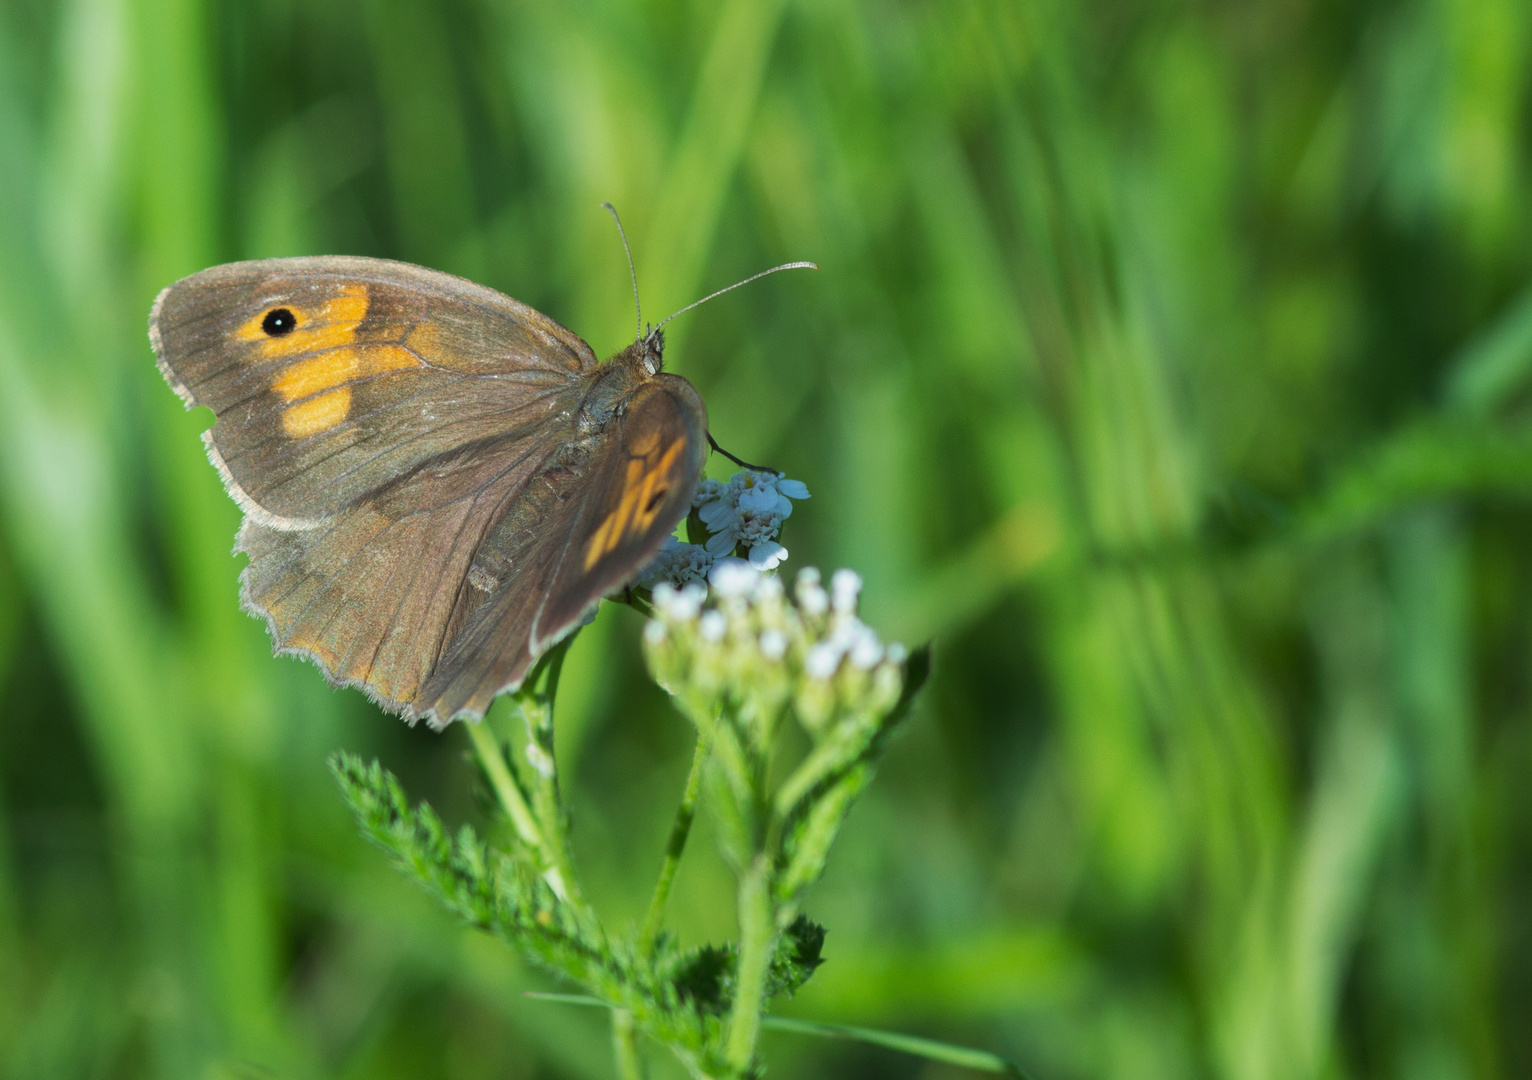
773 644
675 564
845 586
821 661
760 499
867 651
717 514
712 626
721 543
707 491
654 632
767 555
688 602
844 632
732 577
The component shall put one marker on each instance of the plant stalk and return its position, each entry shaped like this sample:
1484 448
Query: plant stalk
541 825
686 813
488 748
537 712
757 937
625 1046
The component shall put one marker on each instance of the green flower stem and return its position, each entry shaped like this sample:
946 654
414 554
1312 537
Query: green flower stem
757 937
625 1045
537 712
679 831
488 749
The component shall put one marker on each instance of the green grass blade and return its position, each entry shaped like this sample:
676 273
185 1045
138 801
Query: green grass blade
1496 363
966 1057
568 999
706 154
963 1056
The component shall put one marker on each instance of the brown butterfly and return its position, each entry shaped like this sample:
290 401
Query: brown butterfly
438 481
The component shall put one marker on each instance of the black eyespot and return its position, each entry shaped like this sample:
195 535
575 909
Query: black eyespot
654 500
279 321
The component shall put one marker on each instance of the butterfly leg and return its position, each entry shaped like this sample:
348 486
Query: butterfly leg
742 464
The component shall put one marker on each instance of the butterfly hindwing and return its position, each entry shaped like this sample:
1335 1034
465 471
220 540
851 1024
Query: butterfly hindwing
370 594
606 517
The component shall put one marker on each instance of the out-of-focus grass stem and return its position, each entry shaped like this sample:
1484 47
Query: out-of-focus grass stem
680 829
630 1066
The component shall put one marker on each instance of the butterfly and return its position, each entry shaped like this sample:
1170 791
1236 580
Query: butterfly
438 482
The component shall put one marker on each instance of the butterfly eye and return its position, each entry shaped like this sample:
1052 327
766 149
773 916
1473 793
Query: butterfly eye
279 321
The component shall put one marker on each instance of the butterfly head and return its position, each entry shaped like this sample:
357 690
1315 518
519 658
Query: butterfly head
652 350
646 356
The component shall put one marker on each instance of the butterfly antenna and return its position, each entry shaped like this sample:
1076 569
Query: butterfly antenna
731 288
632 273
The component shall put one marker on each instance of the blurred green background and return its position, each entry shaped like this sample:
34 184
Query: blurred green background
1169 365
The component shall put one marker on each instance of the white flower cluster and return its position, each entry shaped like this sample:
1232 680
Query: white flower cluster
849 638
811 647
747 511
677 564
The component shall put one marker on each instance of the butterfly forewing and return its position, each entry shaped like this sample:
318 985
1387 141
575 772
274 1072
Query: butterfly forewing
370 594
332 376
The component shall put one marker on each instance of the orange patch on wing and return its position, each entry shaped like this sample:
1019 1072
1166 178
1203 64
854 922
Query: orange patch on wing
642 492
645 443
618 522
597 546
328 326
316 414
436 345
333 369
651 493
